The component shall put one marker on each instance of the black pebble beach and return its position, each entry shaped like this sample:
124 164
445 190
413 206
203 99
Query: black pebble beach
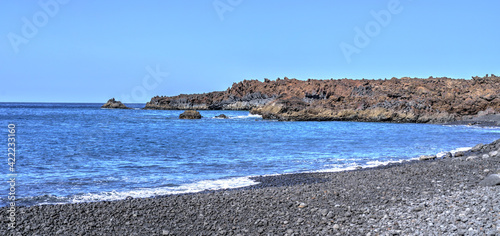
433 197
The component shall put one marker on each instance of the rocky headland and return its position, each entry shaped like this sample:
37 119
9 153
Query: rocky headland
113 104
431 100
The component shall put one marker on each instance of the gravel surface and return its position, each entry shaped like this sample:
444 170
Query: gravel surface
433 197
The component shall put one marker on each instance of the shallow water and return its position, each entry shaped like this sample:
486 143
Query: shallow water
79 152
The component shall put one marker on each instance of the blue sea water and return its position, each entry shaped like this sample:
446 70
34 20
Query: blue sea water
79 152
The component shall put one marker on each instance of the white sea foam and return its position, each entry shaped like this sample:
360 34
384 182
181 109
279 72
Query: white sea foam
339 168
354 165
461 149
382 163
249 116
203 185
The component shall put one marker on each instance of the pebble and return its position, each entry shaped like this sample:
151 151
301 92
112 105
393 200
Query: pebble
491 180
426 157
470 158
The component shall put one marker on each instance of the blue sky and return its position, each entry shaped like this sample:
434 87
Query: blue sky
90 51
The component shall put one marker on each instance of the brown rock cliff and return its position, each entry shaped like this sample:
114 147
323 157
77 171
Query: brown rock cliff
395 100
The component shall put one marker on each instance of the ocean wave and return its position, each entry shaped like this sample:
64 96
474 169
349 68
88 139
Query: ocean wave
249 116
37 200
199 186
461 149
354 165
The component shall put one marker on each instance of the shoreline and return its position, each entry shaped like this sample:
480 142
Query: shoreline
251 178
440 196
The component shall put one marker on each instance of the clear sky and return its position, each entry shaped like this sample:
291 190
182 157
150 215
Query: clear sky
90 51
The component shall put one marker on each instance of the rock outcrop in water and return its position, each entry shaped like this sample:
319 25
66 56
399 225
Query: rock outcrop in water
222 116
190 115
436 100
113 104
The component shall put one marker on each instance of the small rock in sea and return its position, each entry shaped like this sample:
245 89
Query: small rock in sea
494 153
113 104
190 114
222 116
477 148
448 155
491 180
470 158
485 156
129 198
426 157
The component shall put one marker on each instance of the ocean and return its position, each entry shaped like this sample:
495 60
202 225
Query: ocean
78 152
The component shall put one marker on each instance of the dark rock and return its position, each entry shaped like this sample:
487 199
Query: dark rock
190 114
491 180
222 116
459 154
477 148
113 104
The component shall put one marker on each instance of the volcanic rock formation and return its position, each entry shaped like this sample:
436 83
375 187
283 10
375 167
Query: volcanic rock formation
436 100
190 114
113 104
222 116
